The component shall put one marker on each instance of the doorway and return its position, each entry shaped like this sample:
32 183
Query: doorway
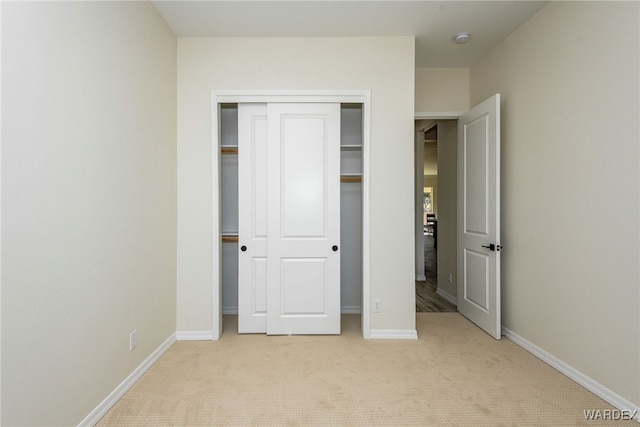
348 99
436 214
469 154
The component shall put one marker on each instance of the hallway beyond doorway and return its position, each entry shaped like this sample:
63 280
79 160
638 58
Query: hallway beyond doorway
426 298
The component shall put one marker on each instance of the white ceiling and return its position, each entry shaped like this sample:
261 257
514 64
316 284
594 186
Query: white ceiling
433 23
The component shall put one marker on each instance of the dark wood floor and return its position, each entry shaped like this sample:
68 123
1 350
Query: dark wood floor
426 298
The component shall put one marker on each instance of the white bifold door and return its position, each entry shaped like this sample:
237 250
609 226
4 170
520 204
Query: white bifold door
289 218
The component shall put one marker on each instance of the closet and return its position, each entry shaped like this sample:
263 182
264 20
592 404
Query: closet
291 215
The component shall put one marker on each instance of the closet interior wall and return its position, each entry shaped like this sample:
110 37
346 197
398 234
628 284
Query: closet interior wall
350 207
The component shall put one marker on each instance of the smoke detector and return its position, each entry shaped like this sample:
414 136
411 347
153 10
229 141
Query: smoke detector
461 38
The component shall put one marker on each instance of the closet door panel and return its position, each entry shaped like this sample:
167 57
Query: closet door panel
298 293
259 290
252 218
303 264
304 177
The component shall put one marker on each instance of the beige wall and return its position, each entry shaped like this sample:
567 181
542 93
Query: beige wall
384 65
88 202
447 205
430 160
442 90
570 182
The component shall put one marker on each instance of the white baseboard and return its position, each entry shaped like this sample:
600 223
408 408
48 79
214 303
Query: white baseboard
229 310
194 335
446 295
393 334
421 278
350 309
119 391
593 386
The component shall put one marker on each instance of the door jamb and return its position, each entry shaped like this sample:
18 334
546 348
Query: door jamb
446 115
442 115
265 96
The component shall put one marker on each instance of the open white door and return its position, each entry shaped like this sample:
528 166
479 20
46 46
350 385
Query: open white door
479 215
252 218
303 266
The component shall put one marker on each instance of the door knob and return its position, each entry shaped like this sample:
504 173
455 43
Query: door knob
493 247
334 248
243 248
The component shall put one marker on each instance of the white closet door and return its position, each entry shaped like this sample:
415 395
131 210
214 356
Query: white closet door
303 265
252 218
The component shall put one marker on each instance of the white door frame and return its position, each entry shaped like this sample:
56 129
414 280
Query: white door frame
270 96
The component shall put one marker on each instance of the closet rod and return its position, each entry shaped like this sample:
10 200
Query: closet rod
229 150
229 238
350 179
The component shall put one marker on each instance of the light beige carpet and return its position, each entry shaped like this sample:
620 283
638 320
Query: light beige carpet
454 374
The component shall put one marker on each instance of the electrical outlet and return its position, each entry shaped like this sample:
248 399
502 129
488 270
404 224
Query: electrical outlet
450 278
377 306
133 340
